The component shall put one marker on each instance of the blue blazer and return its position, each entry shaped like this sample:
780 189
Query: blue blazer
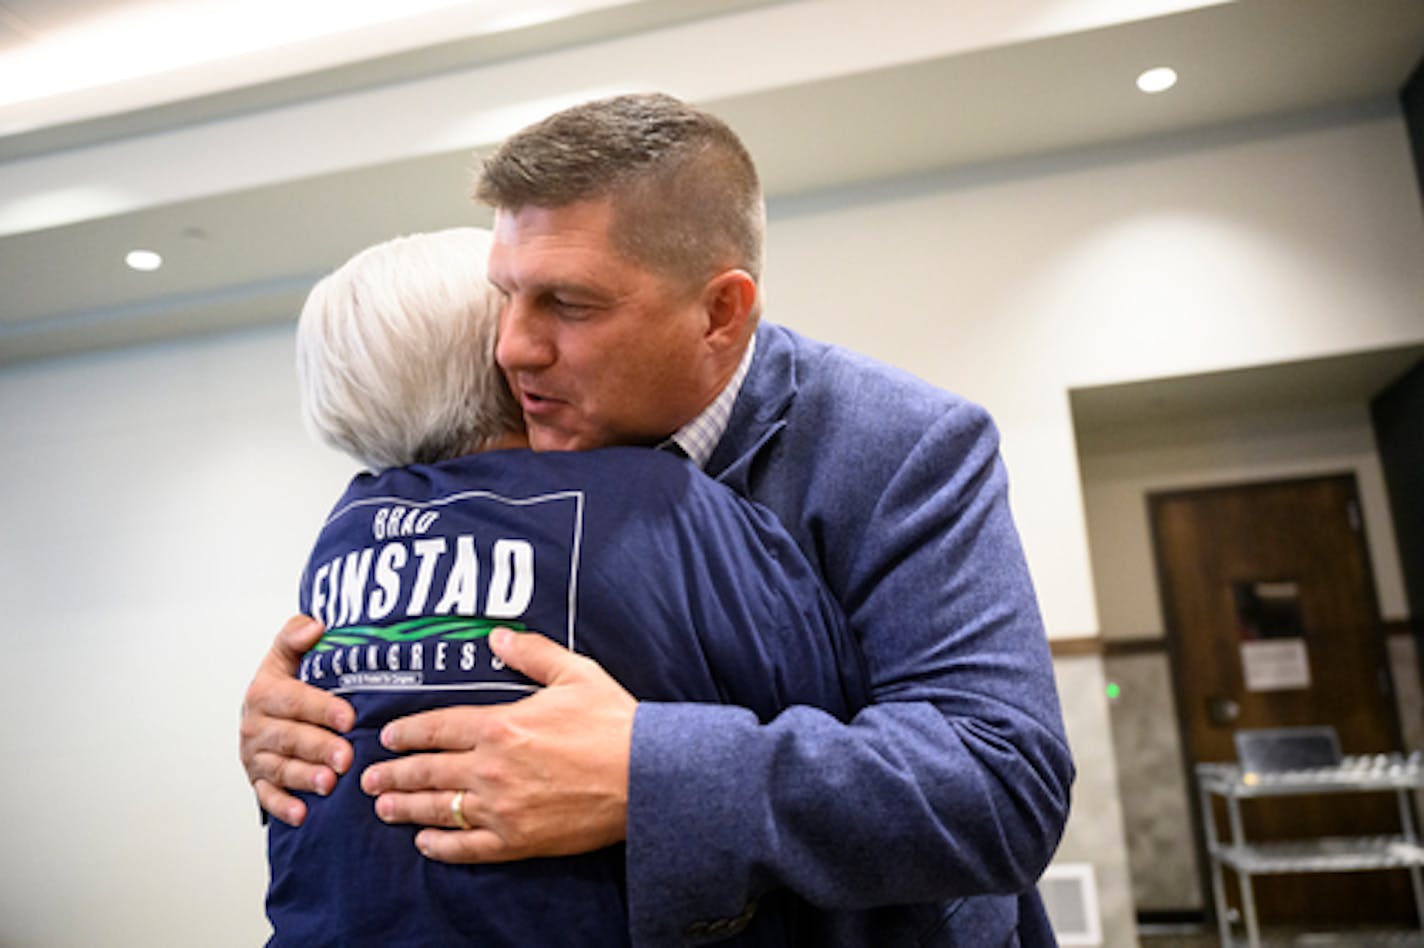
929 817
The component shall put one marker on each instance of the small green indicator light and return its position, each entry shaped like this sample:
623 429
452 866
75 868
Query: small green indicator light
1113 691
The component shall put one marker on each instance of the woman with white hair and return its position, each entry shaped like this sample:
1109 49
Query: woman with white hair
395 353
631 556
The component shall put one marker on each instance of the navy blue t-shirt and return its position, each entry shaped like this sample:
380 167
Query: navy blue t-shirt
681 590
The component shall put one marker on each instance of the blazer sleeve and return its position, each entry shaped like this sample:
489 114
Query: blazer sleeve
952 782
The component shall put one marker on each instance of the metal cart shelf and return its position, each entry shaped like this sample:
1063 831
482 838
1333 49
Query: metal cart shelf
1359 774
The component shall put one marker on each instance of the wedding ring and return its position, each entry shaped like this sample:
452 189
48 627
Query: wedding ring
457 809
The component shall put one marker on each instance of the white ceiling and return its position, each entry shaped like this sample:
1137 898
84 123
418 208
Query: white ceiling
254 174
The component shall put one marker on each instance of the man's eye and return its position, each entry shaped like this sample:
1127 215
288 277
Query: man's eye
571 309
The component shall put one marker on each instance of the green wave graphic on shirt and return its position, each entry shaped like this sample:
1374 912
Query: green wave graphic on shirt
449 628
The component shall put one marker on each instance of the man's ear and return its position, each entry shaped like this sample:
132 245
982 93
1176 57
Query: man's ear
729 299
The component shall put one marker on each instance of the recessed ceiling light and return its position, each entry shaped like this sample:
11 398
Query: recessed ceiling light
1157 80
143 260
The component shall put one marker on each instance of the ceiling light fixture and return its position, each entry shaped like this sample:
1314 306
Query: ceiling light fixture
143 260
1156 80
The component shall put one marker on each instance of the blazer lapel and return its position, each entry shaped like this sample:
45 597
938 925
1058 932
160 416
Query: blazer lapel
760 411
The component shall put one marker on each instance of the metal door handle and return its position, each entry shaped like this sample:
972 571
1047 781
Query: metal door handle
1222 711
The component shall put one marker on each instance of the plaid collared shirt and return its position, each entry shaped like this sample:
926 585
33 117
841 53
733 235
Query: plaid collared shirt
699 437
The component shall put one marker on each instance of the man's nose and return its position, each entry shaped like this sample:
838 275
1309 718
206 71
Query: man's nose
523 342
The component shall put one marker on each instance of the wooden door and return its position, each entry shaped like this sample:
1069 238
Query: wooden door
1272 622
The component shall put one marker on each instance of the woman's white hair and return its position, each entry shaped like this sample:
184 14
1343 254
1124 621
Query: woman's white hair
395 352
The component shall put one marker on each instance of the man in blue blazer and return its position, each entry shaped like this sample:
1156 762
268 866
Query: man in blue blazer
628 245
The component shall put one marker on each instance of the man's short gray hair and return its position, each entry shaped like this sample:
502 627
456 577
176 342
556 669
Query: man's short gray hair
685 192
395 352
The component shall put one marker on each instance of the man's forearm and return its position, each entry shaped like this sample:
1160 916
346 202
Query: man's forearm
905 804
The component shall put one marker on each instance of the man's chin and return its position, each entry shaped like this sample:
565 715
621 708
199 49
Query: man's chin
544 439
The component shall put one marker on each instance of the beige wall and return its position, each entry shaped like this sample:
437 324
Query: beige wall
1015 284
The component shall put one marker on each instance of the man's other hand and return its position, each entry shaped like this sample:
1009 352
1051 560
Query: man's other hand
543 776
287 742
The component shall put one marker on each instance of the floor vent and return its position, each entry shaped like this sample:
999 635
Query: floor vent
1070 894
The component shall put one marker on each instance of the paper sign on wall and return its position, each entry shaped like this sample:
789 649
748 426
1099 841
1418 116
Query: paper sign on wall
1275 665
